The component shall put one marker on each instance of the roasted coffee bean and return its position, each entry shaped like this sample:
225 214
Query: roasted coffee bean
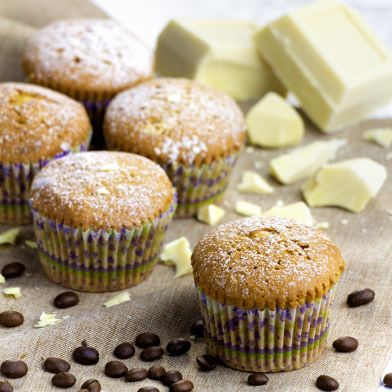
92 385
11 319
5 386
147 339
151 353
171 377
156 372
13 270
124 350
197 329
345 344
326 383
182 386
178 347
257 379
115 369
388 380
85 355
56 365
148 389
66 299
13 369
360 297
63 380
207 362
137 374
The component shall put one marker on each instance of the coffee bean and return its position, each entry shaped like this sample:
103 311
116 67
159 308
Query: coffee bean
11 319
85 355
171 377
326 383
151 353
345 344
13 369
207 362
197 329
178 347
156 372
115 369
257 379
13 270
148 389
92 385
182 386
147 339
5 386
388 380
360 297
137 374
124 350
56 365
63 380
66 299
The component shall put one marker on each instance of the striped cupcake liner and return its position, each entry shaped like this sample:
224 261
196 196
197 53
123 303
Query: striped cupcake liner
266 340
99 260
15 182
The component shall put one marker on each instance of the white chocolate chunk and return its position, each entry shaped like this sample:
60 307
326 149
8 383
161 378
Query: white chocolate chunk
2 279
299 212
251 182
304 161
348 184
117 299
381 136
49 319
210 214
178 253
12 292
274 123
246 208
31 244
9 236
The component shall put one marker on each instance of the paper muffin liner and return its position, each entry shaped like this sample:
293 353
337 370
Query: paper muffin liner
198 186
99 260
15 181
266 340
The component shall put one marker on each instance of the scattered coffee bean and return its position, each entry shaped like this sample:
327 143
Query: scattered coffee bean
345 344
92 385
257 379
63 380
151 353
156 372
171 377
147 339
197 329
13 369
115 369
13 270
148 389
66 299
326 383
124 350
207 362
182 386
85 355
360 297
137 374
5 386
178 347
388 380
11 319
56 365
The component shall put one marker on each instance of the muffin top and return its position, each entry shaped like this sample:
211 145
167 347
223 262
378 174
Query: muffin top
102 190
37 123
175 121
266 262
94 55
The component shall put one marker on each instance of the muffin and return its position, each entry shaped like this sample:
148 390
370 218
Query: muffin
90 60
36 126
100 219
193 131
265 287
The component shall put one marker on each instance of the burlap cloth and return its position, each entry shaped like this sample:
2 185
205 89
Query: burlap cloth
169 306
